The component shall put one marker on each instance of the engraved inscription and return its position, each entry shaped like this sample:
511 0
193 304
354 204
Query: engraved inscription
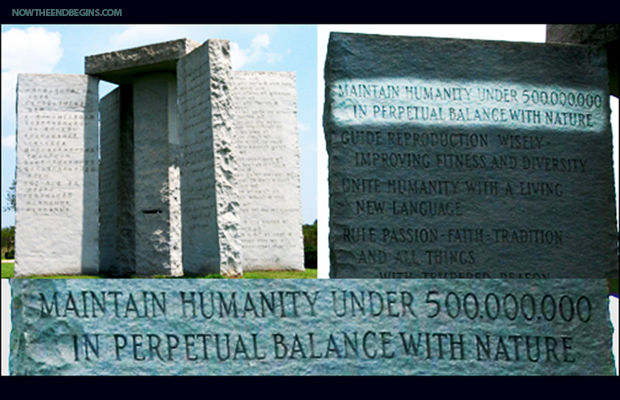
57 174
198 177
464 103
53 150
507 173
267 141
411 327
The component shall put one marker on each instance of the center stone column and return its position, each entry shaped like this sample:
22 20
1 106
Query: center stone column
211 241
157 184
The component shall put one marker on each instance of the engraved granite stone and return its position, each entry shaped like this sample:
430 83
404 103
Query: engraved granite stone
211 242
468 159
121 66
267 145
193 226
605 35
57 175
116 184
310 327
141 149
169 183
157 175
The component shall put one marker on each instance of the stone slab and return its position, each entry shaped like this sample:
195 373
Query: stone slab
210 220
582 33
121 66
109 174
607 35
267 142
57 174
116 184
468 159
157 183
310 327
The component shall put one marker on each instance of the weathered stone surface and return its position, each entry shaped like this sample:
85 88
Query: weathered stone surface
157 175
267 144
116 184
583 33
607 35
310 327
121 66
57 175
468 159
210 196
144 234
206 154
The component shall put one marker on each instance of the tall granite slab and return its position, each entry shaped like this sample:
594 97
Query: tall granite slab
116 184
157 175
310 327
267 143
210 220
57 175
141 148
468 159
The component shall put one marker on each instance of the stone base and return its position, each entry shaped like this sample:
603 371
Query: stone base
310 327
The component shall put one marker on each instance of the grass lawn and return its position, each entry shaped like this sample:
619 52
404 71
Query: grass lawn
307 274
8 272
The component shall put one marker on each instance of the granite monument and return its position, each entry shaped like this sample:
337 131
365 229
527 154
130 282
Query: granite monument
198 173
57 175
468 159
310 327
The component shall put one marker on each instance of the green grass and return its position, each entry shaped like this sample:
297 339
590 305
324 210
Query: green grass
8 272
307 274
210 276
65 277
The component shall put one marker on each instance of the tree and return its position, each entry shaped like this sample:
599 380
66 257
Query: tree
310 245
10 198
8 240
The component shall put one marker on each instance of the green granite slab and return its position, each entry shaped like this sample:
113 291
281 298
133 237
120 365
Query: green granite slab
310 327
468 159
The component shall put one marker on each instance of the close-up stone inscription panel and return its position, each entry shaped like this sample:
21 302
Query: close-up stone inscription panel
468 159
310 327
268 146
57 175
428 102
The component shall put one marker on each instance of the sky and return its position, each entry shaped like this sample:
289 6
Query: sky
286 47
60 49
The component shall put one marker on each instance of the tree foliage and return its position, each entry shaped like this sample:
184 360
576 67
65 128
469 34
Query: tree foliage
8 240
310 245
10 198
